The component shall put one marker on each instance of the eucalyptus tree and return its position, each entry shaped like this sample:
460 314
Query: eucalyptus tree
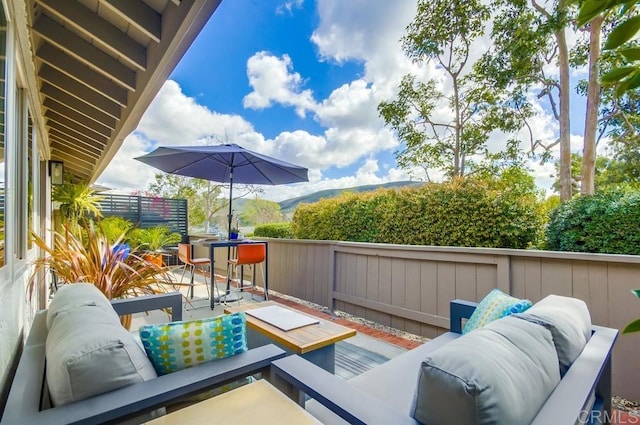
529 40
626 74
616 107
444 122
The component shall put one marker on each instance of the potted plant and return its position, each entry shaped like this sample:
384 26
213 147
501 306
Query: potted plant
234 233
152 240
91 259
115 228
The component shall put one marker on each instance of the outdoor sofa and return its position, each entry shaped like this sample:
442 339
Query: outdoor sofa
453 378
132 396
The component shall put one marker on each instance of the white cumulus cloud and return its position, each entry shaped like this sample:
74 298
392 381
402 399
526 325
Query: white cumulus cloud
272 80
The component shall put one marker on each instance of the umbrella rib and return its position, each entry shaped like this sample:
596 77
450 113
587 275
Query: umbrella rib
249 161
258 160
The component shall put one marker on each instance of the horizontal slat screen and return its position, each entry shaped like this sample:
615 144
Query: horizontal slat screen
147 212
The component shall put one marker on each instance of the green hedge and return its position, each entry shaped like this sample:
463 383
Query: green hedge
462 213
607 222
274 230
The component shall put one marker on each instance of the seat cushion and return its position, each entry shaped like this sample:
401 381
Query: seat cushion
88 353
499 374
569 321
495 305
178 345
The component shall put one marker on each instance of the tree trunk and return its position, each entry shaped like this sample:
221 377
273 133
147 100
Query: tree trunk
457 170
593 103
565 129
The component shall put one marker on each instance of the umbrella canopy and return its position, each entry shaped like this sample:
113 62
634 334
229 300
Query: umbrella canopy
228 163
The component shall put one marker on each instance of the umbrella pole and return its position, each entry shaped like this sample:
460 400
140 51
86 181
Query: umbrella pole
230 218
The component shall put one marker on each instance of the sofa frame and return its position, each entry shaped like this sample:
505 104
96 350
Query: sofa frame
582 396
28 400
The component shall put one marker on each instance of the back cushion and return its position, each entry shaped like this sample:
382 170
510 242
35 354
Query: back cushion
499 374
74 295
88 353
569 321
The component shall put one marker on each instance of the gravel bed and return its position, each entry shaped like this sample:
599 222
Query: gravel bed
354 319
625 405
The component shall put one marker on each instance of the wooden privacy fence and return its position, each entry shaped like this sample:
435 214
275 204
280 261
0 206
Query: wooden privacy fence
409 287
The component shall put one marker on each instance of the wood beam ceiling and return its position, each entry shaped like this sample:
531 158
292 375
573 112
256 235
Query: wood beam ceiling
99 64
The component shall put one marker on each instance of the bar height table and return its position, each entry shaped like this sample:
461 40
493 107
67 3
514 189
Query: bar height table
232 243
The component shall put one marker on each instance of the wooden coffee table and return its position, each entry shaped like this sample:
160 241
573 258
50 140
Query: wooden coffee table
258 402
315 343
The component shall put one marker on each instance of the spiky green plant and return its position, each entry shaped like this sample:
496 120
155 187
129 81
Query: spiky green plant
153 238
114 228
77 202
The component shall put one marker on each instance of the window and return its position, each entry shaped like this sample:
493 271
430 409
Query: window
31 179
3 168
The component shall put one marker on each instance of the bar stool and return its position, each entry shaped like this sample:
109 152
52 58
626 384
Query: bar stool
184 255
248 254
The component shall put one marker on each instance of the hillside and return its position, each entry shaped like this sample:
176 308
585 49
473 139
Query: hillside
288 205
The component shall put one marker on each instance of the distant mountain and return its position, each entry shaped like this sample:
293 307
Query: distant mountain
288 205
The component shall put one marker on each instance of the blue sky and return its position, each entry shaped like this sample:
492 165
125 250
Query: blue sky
299 80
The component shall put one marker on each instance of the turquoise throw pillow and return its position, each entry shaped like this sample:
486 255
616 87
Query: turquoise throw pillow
494 306
178 345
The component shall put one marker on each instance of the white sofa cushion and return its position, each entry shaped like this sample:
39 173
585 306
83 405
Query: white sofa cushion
74 295
569 321
88 353
500 374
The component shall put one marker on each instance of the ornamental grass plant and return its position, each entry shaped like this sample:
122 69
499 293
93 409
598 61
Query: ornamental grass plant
92 259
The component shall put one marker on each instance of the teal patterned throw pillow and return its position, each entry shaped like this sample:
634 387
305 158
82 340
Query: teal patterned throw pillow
494 306
178 345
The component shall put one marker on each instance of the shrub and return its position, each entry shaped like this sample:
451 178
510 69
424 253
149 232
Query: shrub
462 213
274 230
607 222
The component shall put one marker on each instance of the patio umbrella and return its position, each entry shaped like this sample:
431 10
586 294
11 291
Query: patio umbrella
228 163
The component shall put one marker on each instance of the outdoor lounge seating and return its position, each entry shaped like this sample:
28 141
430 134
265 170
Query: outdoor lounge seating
412 385
91 388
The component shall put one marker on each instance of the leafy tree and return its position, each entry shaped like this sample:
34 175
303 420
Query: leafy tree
441 130
203 196
528 39
260 211
181 187
611 113
610 171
